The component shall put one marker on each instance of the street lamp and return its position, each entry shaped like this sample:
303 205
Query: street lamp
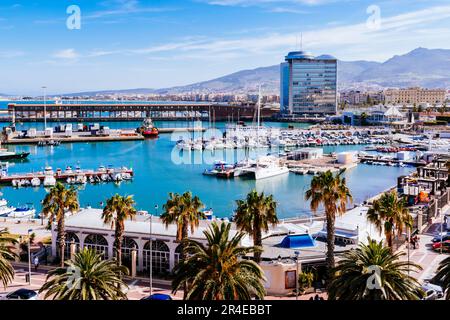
45 107
297 253
151 249
29 255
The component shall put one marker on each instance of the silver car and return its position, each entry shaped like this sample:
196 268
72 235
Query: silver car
21 294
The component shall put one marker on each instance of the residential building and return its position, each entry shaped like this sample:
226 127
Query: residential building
415 96
312 85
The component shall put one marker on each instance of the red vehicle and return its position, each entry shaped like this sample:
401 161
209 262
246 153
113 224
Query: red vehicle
445 246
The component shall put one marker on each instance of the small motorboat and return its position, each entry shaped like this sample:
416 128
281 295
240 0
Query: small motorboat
5 211
3 202
23 212
35 182
209 214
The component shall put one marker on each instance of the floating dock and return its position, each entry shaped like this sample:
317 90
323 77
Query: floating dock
60 175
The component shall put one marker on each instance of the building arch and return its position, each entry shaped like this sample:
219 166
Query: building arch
98 243
70 237
160 257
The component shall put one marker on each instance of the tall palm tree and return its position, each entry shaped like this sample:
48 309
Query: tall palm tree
118 209
443 274
6 254
185 211
373 272
87 277
254 214
55 204
218 271
390 214
332 193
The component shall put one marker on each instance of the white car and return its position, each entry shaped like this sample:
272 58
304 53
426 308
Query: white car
21 294
432 291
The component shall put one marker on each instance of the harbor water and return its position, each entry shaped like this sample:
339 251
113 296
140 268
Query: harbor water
157 174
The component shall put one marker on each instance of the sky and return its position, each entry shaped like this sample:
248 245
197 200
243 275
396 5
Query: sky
86 45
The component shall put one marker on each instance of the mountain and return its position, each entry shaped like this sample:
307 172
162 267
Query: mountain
429 68
420 67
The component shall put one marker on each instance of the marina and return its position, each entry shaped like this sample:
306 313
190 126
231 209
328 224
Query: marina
161 168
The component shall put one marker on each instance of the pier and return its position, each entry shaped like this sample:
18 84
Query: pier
97 111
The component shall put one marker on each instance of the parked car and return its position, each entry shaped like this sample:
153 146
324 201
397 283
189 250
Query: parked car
21 294
445 246
438 238
158 296
437 289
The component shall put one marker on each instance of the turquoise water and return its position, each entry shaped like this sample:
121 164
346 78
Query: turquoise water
156 175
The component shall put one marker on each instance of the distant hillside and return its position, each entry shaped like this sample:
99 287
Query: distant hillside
429 68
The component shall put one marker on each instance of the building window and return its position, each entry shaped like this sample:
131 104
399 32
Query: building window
128 245
70 236
160 257
98 243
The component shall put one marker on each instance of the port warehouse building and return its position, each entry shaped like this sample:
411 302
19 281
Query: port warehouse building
130 111
86 229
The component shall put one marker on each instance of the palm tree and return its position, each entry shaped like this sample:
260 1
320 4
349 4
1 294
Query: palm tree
443 274
6 254
373 272
218 271
185 211
87 277
254 214
332 192
389 213
117 210
55 204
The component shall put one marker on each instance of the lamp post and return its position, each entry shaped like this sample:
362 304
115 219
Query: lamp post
29 255
297 253
408 244
151 249
45 107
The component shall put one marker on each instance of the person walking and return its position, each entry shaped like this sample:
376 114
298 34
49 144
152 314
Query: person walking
36 263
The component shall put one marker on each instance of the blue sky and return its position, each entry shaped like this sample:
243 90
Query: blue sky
153 44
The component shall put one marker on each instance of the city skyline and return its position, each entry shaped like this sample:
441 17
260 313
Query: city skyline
130 44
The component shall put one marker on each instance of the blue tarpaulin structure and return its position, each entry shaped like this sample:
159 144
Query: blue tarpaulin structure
298 241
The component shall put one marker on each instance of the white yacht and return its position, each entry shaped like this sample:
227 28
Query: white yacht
266 167
5 211
23 212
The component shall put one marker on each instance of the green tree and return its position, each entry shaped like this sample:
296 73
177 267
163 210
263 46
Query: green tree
331 192
443 274
7 253
55 205
254 214
185 211
389 214
118 209
373 272
219 270
87 277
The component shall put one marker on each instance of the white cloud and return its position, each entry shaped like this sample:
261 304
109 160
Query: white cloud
67 54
